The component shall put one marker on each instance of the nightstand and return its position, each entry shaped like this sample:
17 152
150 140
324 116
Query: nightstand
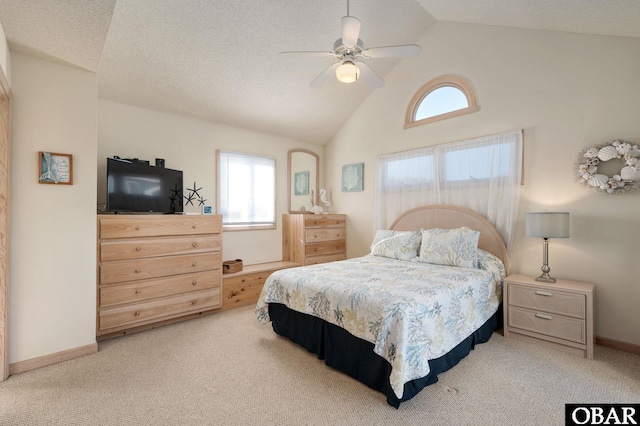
559 315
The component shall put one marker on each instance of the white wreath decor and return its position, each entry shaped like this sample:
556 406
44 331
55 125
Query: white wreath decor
626 180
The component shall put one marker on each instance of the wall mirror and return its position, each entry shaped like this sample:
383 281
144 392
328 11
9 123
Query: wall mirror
302 179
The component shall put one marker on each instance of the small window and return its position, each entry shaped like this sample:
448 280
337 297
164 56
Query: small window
246 195
443 97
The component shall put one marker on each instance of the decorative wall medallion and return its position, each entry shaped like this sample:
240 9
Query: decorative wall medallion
591 161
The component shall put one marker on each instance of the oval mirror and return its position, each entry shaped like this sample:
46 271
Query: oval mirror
302 180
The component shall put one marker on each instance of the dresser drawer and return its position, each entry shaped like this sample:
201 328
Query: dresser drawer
154 226
558 326
321 221
548 300
123 249
328 247
325 234
142 269
314 260
158 309
138 291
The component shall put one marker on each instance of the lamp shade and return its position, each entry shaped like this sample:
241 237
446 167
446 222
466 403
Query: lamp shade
348 72
547 224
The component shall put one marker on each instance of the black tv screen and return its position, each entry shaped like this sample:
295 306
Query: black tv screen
137 187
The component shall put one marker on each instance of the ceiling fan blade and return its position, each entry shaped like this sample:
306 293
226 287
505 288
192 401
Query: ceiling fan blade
328 72
369 76
308 53
392 51
350 31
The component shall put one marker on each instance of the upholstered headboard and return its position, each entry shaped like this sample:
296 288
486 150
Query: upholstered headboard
449 217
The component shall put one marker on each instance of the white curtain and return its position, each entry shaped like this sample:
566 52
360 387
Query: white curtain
481 174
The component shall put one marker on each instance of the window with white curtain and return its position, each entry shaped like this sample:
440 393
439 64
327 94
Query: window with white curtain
247 191
481 174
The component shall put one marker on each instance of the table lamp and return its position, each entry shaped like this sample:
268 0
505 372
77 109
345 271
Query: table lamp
547 225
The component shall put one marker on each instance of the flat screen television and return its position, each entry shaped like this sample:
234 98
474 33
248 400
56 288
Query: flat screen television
137 187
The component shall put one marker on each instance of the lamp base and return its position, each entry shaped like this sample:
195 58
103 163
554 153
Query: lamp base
545 278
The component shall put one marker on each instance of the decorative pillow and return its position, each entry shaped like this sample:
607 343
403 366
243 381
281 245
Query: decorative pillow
491 263
401 245
450 247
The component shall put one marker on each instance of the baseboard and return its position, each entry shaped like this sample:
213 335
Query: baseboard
616 344
43 361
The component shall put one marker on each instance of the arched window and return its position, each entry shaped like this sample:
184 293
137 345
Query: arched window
443 97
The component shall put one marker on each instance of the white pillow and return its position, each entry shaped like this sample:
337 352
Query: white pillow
401 245
450 247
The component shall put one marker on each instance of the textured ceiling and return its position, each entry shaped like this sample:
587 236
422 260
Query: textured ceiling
218 60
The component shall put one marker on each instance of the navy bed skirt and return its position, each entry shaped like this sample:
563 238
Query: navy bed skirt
355 357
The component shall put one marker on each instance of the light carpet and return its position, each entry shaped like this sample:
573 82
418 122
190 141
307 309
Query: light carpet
227 369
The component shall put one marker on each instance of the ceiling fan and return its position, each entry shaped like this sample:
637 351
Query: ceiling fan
349 51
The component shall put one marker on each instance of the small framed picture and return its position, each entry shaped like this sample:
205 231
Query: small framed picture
352 177
56 168
207 210
301 183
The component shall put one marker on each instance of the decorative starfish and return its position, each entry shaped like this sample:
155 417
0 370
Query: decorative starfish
190 197
195 190
201 201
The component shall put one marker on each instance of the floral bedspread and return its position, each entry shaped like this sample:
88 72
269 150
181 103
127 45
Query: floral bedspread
411 311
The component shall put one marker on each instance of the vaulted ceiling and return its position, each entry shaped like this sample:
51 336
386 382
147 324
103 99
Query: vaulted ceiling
218 60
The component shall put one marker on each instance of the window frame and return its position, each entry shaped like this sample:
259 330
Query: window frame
251 226
447 80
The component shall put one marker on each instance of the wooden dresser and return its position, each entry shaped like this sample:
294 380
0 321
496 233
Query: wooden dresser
557 314
156 269
308 239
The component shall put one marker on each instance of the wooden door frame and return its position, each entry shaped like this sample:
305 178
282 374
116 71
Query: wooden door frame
5 225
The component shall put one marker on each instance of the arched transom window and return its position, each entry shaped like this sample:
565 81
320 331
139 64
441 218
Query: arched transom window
443 97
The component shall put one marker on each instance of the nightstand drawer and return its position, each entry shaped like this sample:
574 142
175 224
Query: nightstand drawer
548 324
548 300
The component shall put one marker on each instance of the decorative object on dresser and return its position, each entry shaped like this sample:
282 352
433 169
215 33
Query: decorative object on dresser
231 266
547 225
156 269
559 315
311 239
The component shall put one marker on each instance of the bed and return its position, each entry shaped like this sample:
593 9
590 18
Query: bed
428 292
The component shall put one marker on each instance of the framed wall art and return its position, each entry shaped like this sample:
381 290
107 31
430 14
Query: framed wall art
55 168
301 183
353 177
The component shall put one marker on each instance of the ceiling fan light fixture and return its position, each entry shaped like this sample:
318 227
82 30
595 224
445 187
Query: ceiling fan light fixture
348 72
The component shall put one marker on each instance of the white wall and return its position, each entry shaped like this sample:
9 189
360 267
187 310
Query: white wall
53 245
189 145
568 92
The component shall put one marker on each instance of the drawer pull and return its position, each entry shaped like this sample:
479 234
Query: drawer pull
194 264
137 271
137 228
138 292
137 313
543 293
194 282
194 245
138 248
543 316
193 302
193 226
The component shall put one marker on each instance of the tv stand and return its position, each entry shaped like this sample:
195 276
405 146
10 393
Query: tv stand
155 269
